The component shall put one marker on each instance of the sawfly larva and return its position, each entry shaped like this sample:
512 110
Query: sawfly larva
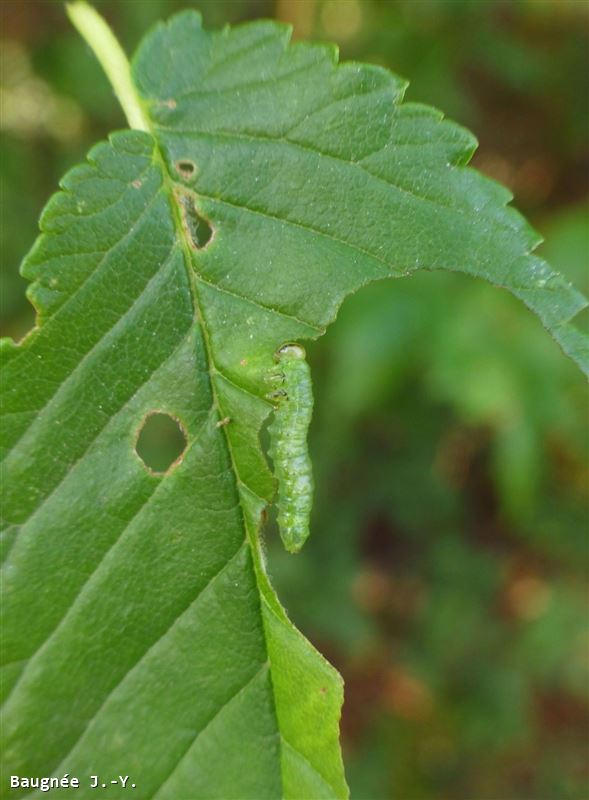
288 446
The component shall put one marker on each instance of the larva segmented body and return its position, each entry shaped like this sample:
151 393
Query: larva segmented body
288 448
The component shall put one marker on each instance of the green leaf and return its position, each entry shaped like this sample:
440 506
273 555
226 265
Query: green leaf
142 636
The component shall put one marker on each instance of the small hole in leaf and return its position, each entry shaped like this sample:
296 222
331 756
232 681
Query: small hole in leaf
160 442
185 169
198 229
201 231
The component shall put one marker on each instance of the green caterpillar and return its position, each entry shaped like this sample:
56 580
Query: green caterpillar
288 445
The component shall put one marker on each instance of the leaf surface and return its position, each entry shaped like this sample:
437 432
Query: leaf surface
142 636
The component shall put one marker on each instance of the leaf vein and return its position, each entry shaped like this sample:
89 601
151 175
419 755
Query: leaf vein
258 138
127 523
259 305
237 87
105 253
203 730
60 386
149 650
302 225
256 44
306 760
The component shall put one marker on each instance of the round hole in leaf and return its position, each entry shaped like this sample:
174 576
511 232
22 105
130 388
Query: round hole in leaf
185 168
161 441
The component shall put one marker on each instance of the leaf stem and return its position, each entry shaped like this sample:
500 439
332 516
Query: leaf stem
94 29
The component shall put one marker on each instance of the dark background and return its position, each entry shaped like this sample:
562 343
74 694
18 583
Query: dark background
446 574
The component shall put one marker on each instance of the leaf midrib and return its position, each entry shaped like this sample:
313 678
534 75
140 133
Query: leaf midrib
199 318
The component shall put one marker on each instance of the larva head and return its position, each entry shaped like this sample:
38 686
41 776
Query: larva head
291 352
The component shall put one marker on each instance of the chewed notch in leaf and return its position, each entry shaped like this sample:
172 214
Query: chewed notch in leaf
323 179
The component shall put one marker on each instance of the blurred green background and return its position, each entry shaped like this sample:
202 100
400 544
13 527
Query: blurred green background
446 575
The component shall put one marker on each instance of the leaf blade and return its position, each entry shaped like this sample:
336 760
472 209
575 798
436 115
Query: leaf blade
305 169
315 138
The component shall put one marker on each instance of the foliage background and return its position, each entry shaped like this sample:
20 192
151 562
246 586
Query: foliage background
446 574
